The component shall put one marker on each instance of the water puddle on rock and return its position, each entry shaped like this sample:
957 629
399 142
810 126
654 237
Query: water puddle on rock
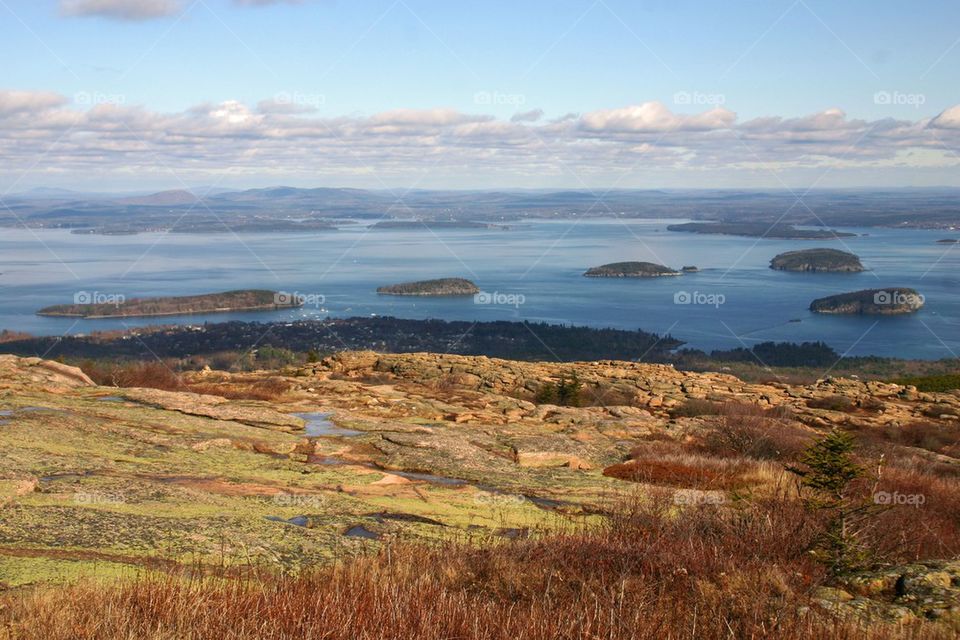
111 399
360 531
299 521
319 425
431 478
66 475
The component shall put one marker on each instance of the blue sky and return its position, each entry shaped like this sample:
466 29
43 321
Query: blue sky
349 61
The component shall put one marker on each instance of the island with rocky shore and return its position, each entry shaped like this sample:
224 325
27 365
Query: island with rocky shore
95 305
630 270
818 260
878 302
437 287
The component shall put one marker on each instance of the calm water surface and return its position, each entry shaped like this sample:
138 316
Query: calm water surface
541 261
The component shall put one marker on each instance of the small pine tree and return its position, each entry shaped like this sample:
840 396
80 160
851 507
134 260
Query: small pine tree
565 392
828 468
568 391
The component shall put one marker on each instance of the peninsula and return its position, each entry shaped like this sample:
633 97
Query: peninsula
118 307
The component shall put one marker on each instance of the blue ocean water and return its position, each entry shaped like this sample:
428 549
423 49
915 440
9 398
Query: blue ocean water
532 272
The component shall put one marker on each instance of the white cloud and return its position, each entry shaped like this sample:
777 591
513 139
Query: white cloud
948 119
655 117
133 10
12 102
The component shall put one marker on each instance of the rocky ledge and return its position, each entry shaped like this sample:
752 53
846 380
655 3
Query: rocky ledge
412 445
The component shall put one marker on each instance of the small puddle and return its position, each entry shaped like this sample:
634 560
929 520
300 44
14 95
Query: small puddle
361 531
429 477
111 399
68 475
545 503
299 521
405 517
319 425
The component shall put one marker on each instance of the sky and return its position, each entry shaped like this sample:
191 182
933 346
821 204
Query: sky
167 94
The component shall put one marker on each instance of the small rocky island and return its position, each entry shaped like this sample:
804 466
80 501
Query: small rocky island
949 241
817 260
690 269
96 305
877 302
630 270
438 287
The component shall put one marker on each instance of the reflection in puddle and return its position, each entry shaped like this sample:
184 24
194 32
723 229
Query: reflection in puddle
300 521
319 424
361 531
404 517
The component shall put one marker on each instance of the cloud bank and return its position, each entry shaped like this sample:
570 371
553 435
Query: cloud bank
51 137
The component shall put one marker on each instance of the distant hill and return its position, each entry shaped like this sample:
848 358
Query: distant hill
162 199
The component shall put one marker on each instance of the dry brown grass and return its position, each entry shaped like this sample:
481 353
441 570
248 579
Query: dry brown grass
913 532
162 375
750 431
150 374
647 573
270 389
662 465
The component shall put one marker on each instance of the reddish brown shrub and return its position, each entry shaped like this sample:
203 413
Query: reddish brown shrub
760 436
151 374
684 471
921 518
